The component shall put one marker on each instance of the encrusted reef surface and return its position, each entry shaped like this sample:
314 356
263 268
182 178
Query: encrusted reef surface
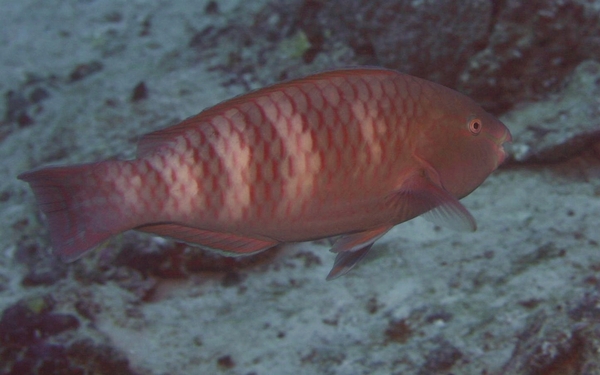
81 80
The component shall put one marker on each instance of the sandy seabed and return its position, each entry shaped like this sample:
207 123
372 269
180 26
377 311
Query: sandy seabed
427 300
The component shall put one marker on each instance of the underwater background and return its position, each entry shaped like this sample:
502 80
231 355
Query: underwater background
82 80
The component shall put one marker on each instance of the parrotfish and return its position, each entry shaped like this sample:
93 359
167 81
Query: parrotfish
347 153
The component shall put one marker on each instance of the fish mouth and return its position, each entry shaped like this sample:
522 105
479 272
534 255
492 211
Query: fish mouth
501 153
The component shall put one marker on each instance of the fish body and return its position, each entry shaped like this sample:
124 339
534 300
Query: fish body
347 153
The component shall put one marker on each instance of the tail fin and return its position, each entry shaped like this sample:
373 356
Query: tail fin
60 192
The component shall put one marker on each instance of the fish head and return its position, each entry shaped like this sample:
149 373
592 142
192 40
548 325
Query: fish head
466 145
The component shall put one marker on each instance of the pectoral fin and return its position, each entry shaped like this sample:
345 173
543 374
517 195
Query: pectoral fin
352 248
419 195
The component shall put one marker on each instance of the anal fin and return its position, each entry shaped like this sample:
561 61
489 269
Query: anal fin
227 243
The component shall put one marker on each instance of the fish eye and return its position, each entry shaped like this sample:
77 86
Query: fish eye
475 126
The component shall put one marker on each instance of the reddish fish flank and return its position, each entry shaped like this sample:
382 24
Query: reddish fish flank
350 152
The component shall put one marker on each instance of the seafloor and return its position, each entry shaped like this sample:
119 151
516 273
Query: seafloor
83 79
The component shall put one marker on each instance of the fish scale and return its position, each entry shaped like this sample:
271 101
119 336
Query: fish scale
349 152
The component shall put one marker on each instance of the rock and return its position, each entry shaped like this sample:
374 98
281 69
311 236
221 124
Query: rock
16 108
82 71
140 92
42 268
531 48
432 40
488 50
551 344
38 94
498 52
29 321
24 102
562 126
31 343
442 358
99 358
